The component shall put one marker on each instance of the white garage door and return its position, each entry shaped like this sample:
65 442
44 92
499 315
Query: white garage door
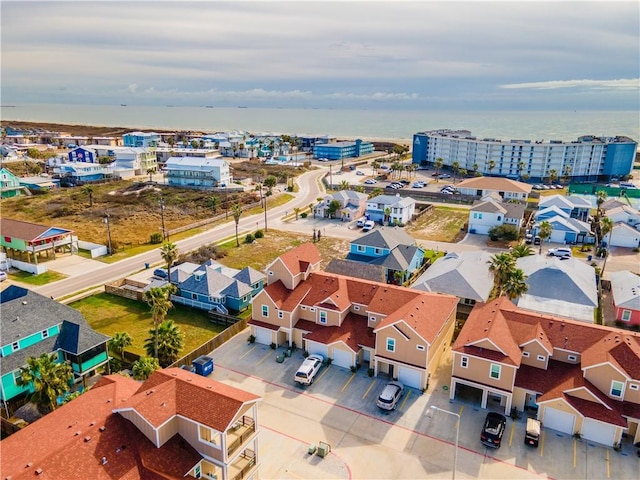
319 348
598 432
557 236
479 228
559 420
342 358
410 377
263 336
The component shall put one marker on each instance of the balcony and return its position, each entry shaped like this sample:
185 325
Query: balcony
239 433
244 466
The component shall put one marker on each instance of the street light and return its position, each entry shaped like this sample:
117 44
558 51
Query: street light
455 451
106 220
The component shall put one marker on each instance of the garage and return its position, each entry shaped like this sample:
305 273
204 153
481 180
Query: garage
479 228
410 377
342 358
598 432
468 394
263 336
318 348
559 420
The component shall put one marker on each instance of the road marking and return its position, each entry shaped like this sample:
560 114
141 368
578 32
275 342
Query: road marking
457 425
344 387
575 452
268 354
369 389
406 397
513 429
608 465
250 350
542 444
323 373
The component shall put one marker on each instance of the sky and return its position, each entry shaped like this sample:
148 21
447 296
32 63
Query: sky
477 55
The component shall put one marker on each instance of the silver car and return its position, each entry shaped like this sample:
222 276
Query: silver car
391 394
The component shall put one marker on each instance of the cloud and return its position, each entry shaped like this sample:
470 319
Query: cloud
620 84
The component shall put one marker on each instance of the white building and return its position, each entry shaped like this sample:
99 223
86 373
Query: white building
491 212
198 172
394 208
483 186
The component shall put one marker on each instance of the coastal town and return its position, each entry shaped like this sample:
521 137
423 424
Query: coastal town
236 305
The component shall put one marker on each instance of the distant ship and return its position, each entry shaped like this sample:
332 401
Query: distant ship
123 104
242 106
208 106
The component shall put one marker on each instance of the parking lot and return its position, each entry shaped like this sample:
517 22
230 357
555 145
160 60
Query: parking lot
410 442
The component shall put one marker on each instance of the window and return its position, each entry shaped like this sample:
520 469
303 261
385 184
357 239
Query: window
45 333
17 377
420 347
280 315
360 248
525 354
634 386
617 388
495 371
541 358
572 358
194 296
464 362
15 346
626 315
499 218
378 251
265 310
270 272
323 317
391 344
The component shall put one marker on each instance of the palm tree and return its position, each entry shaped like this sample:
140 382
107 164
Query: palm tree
344 185
520 168
150 172
566 173
438 165
48 378
491 165
158 298
296 211
387 214
119 342
376 192
521 250
236 210
501 265
88 190
553 175
270 182
601 197
213 202
515 284
144 367
375 165
544 232
475 169
169 253
169 340
455 166
606 228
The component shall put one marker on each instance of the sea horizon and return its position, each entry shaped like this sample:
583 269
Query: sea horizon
348 123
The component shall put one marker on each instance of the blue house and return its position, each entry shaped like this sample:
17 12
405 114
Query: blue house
83 155
390 248
212 286
33 324
573 206
340 150
141 139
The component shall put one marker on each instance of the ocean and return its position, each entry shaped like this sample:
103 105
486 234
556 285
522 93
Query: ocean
366 124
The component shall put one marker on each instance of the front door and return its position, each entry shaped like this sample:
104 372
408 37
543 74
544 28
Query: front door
391 371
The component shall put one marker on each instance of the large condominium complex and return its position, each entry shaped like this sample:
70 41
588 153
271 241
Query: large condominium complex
589 158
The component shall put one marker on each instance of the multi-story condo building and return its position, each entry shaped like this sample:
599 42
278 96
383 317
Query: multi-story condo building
141 139
198 172
587 159
340 150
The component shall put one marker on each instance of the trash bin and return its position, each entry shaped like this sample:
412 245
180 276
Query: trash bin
146 265
203 365
589 257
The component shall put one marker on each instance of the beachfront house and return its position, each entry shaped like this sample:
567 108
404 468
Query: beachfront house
198 172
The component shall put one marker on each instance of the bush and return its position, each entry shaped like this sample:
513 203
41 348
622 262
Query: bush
329 361
156 238
304 214
353 368
504 232
370 372
258 234
273 345
249 238
252 339
305 354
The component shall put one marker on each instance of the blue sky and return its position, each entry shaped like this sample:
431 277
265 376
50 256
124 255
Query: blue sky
398 55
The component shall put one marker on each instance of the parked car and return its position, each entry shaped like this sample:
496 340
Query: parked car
493 429
559 252
444 175
370 181
417 185
390 395
360 172
161 273
528 239
368 226
309 369
3 276
532 433
537 240
361 221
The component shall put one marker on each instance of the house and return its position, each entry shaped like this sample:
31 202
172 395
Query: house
77 173
393 330
624 214
352 205
134 160
141 139
9 184
198 172
506 188
174 425
625 290
624 235
465 275
392 249
164 153
581 378
212 286
564 287
342 150
392 209
40 184
574 206
84 154
33 324
564 229
27 242
366 271
491 212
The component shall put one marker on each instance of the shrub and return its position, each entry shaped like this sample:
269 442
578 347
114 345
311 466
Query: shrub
156 237
252 339
258 234
504 232
370 372
304 214
305 354
329 361
249 238
353 369
273 345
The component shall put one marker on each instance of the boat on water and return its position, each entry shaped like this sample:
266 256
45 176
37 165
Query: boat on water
208 106
242 106
123 104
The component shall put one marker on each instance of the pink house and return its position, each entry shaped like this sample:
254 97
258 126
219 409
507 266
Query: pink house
625 289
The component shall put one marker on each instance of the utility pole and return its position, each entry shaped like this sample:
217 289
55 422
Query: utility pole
106 220
265 210
165 233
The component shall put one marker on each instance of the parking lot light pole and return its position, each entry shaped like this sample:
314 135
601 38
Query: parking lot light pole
106 221
455 451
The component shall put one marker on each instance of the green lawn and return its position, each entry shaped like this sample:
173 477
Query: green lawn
31 279
109 314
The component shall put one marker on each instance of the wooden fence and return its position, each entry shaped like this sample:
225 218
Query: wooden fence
126 288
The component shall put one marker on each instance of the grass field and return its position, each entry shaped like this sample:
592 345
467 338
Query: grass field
109 314
441 224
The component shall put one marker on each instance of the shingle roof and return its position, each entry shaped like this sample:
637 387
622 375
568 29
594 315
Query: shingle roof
356 269
353 332
299 259
385 238
28 231
495 183
249 276
625 287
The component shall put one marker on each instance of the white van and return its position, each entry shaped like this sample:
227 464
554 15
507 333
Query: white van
368 226
361 221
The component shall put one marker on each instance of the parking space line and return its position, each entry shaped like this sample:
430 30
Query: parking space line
406 397
369 389
248 352
268 354
513 429
608 465
575 452
323 373
460 416
542 443
344 387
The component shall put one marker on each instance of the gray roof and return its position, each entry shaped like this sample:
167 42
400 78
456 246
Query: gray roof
356 269
212 282
390 200
625 287
249 275
399 258
508 209
385 238
23 315
465 275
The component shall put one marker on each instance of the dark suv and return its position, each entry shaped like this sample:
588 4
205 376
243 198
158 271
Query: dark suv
493 429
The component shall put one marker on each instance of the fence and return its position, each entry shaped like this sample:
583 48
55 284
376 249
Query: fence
126 288
212 344
591 189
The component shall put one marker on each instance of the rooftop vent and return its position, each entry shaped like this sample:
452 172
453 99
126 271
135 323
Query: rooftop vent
24 302
103 460
92 423
77 433
29 465
102 428
87 438
38 471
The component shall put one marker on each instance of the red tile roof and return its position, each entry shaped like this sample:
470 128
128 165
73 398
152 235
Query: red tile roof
620 349
299 259
353 332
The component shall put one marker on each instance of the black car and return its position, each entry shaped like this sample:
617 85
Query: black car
493 429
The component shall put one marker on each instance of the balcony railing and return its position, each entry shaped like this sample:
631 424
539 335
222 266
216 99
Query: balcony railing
239 433
244 466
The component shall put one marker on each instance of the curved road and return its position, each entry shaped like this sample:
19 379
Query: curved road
310 188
